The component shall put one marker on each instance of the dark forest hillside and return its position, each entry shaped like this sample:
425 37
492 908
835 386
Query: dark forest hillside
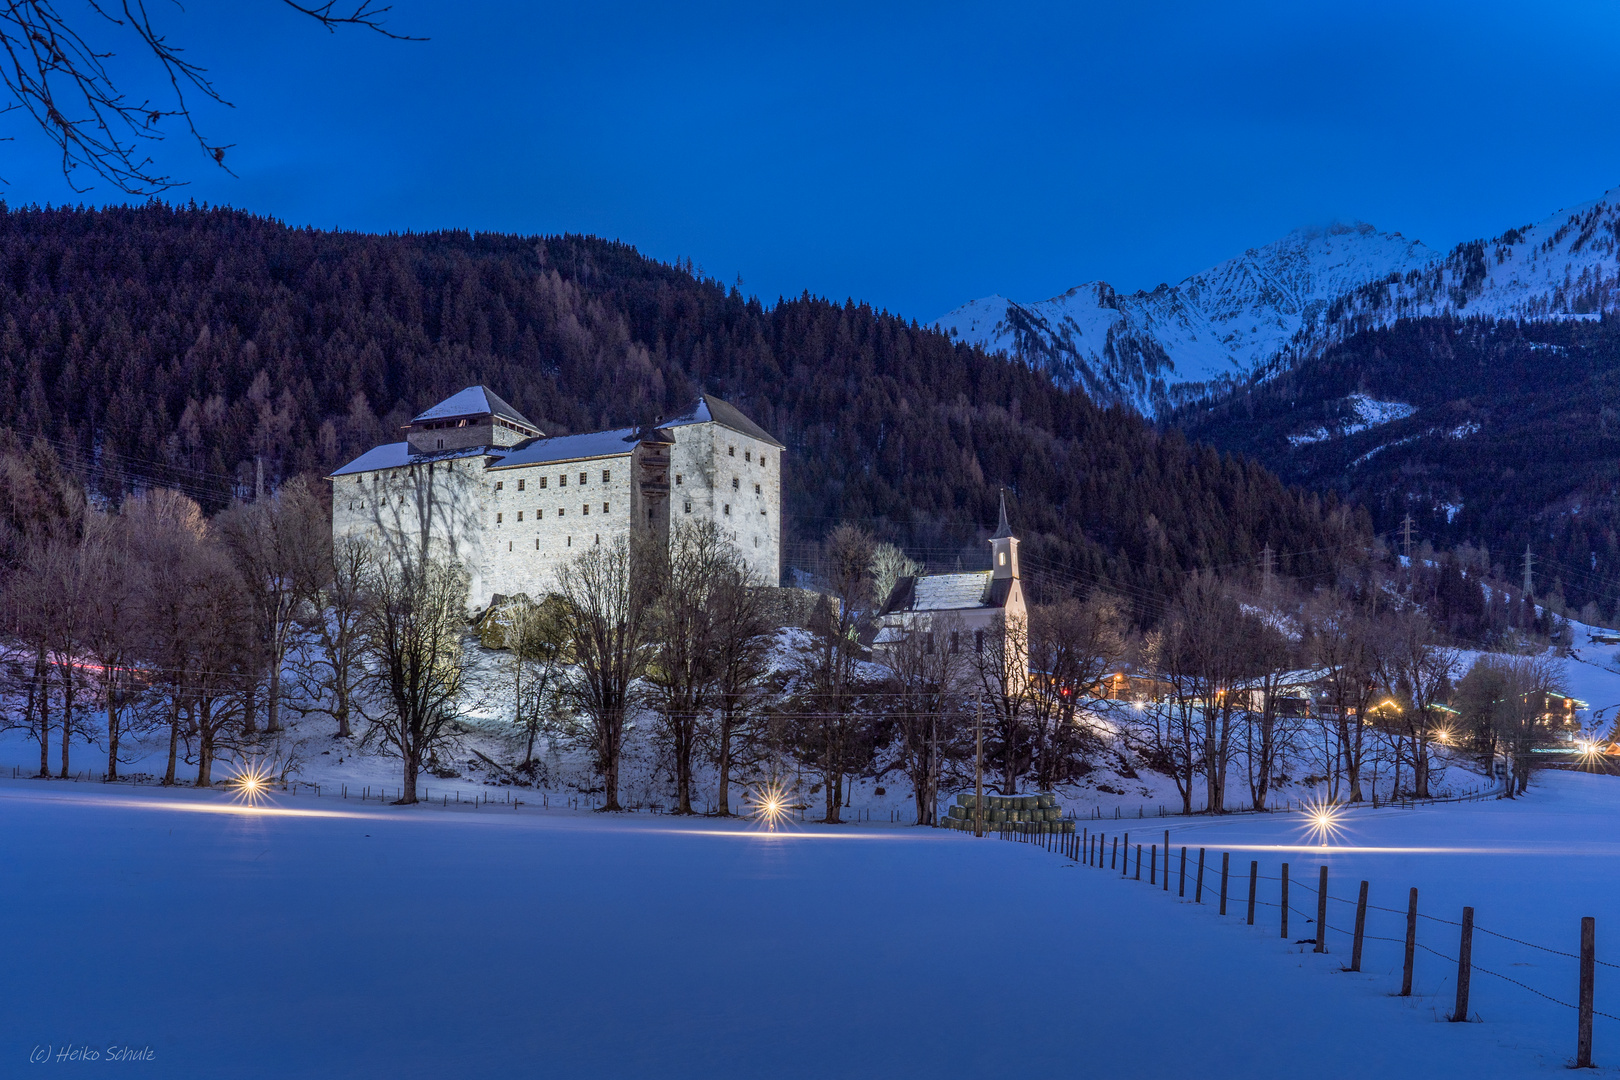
174 345
1512 440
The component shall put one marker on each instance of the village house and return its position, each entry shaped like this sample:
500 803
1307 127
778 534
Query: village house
476 481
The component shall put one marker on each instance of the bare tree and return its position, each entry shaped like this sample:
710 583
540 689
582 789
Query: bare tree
1074 646
335 622
683 668
280 545
1510 695
1000 668
830 682
1166 731
60 69
1342 644
608 598
1420 669
889 565
415 675
742 643
115 581
931 669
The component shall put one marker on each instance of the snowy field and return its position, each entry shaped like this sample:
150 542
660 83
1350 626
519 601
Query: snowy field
318 938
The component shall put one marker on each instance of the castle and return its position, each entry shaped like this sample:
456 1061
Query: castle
476 481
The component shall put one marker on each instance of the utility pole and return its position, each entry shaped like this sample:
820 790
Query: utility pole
1406 549
978 765
1529 577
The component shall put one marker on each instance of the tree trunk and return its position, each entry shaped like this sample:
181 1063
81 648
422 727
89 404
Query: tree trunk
174 740
614 736
413 767
684 727
272 701
205 744
40 671
722 796
112 733
67 715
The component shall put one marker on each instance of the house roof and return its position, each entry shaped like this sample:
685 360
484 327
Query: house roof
941 592
473 401
396 454
595 444
711 410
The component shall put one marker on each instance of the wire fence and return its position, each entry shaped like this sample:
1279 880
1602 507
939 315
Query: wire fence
1115 853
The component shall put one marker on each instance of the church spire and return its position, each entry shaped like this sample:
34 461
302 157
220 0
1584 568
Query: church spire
1003 530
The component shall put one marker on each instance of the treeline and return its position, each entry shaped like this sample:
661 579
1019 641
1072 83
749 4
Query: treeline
194 348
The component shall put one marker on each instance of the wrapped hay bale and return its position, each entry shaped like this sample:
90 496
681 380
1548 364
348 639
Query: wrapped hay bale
965 799
1046 800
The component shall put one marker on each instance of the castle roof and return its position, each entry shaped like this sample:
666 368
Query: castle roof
595 444
396 454
473 401
711 410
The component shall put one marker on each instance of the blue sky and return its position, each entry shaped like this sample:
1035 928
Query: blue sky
914 156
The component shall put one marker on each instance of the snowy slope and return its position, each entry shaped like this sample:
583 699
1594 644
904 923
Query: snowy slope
1216 324
1291 298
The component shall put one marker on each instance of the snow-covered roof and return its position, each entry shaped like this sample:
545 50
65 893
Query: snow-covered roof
595 444
949 592
711 410
473 401
396 454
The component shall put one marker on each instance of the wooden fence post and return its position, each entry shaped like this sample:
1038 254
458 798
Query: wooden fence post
1113 856
1138 862
1254 880
1167 860
1181 890
1226 857
1153 864
1583 1037
1125 867
1361 928
1465 965
1198 885
1321 912
1284 904
1411 943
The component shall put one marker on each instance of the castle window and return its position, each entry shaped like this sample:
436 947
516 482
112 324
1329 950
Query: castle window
562 481
598 538
538 514
607 477
762 511
731 451
677 479
756 489
440 443
756 541
688 508
569 542
748 455
537 544
605 508
509 545
499 484
728 508
736 485
497 519
585 509
560 511
359 480
520 515
543 482
520 485
581 478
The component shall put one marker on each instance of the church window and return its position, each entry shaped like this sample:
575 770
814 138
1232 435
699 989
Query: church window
582 478
688 508
497 519
1001 558
585 509
607 476
520 485
677 479
499 484
542 482
736 485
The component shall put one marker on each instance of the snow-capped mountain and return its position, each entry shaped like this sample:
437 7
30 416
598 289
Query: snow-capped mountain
1221 323
1287 300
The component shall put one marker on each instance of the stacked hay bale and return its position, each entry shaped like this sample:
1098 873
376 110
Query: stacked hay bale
1017 813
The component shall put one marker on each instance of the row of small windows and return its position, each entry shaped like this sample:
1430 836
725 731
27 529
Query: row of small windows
567 542
562 481
562 511
748 455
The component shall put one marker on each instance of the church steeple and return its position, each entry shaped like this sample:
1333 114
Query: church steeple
1003 547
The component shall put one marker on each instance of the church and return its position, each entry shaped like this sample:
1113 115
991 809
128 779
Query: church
475 480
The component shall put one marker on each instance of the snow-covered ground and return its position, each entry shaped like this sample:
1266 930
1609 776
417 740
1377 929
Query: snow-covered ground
318 938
